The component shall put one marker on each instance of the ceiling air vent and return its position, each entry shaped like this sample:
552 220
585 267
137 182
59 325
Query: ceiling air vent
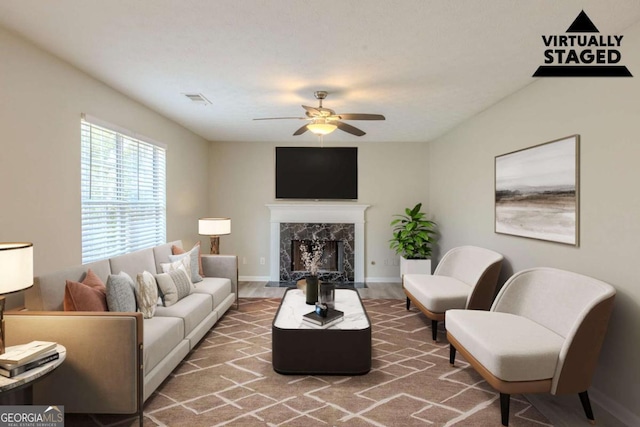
198 98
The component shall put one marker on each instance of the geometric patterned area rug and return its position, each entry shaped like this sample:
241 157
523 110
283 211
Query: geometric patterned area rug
228 380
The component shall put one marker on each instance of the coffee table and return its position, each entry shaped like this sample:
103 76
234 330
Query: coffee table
343 348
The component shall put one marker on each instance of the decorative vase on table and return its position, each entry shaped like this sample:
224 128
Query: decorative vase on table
326 294
311 254
312 290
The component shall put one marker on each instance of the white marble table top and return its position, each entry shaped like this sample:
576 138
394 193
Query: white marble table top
25 378
293 307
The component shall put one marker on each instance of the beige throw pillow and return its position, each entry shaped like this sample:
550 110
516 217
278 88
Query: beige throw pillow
146 294
173 286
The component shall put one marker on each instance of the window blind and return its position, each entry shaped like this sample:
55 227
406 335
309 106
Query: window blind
123 182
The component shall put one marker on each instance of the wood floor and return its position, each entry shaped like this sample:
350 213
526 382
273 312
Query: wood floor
373 291
562 411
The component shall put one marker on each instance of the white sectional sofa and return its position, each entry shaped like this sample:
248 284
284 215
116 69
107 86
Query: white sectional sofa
116 360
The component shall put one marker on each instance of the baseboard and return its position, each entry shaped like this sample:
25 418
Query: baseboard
253 278
616 410
382 280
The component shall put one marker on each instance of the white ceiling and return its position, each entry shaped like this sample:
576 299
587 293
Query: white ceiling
427 65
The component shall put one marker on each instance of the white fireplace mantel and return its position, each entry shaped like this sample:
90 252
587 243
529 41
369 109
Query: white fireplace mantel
317 213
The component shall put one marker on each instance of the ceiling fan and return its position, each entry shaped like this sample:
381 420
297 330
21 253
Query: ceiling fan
324 120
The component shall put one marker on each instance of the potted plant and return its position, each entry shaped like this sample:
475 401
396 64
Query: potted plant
412 239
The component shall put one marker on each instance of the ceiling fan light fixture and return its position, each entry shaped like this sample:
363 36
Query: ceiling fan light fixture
323 121
321 127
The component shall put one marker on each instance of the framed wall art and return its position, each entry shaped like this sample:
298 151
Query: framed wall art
537 191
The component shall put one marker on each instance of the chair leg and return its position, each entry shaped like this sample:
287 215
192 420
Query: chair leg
452 354
434 329
504 408
408 303
586 405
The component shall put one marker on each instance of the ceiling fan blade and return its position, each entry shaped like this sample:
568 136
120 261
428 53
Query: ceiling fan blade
281 118
357 116
311 111
350 129
300 131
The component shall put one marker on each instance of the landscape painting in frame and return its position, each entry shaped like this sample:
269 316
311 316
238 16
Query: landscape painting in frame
537 191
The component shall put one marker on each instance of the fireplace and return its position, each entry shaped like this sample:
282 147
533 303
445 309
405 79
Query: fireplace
332 260
338 255
325 215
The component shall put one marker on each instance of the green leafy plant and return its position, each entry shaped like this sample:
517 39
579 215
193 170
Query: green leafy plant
412 234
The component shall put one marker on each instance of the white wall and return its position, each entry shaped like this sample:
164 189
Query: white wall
242 177
605 112
41 99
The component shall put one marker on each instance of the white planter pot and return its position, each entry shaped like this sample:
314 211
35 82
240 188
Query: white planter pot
414 266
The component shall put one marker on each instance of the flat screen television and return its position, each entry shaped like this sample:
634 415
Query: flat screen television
316 173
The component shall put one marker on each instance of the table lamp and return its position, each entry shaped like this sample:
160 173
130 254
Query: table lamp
16 274
214 227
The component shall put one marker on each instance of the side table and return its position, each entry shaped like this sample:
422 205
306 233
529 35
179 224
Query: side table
19 389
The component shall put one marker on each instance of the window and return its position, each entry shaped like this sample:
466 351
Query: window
123 192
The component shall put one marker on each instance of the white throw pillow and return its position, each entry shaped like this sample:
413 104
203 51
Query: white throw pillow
193 255
183 264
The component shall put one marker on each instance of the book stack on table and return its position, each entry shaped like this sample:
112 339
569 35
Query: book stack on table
25 357
314 319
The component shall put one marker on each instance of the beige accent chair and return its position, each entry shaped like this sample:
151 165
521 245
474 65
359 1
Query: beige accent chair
466 277
543 334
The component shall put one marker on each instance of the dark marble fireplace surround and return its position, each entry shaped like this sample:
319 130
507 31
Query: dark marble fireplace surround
324 232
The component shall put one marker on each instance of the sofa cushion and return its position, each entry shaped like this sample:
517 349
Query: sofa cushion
218 288
121 294
47 292
134 262
146 294
531 352
161 253
161 336
177 250
192 309
88 295
437 293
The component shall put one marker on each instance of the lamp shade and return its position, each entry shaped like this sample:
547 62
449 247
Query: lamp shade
16 267
214 226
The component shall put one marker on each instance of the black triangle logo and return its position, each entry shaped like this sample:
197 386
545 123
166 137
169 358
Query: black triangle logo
582 24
